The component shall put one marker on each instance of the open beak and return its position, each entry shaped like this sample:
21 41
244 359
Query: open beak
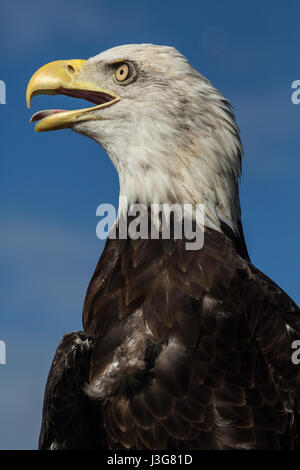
61 78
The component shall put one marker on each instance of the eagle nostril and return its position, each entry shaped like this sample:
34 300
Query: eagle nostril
70 68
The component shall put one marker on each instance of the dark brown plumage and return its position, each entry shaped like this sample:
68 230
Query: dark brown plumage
216 365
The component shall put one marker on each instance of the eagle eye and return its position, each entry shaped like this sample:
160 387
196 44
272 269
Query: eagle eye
124 73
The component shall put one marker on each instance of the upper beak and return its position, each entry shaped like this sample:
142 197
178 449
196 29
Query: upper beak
61 77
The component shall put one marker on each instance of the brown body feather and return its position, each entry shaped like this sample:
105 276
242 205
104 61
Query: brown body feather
191 350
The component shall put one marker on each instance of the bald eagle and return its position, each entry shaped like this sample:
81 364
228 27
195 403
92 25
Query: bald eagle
180 349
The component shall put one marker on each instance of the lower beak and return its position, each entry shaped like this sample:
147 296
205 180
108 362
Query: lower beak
61 77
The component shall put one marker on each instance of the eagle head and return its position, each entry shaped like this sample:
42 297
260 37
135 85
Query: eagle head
170 134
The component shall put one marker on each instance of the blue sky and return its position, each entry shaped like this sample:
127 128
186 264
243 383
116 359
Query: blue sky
51 183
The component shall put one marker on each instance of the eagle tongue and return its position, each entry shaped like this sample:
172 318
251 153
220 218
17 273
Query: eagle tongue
42 114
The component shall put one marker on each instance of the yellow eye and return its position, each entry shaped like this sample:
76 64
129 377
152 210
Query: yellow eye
122 72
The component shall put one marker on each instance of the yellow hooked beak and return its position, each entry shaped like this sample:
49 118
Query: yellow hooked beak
61 77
